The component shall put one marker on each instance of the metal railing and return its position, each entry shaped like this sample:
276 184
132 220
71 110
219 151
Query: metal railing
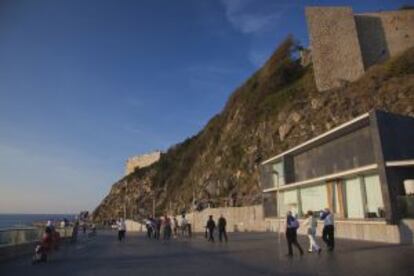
16 236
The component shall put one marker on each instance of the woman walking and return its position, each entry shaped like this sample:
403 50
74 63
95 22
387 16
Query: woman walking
311 223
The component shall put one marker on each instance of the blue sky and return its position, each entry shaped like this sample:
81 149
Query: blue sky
85 84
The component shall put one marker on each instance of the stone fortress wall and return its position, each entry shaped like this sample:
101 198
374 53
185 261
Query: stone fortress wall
344 44
385 34
141 161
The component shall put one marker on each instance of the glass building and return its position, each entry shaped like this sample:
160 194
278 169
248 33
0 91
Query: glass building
357 170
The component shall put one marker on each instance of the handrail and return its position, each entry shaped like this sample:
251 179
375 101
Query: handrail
22 235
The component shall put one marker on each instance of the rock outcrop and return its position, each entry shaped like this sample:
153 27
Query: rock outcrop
277 108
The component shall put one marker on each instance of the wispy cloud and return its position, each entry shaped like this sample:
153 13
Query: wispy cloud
258 58
248 17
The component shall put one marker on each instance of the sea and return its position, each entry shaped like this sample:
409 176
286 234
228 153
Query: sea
18 220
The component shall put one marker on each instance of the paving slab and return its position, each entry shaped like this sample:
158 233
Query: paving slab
244 254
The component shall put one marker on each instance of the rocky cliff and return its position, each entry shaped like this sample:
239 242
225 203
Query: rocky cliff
276 108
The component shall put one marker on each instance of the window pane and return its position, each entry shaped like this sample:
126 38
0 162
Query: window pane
269 204
280 176
266 177
375 204
288 202
314 198
354 206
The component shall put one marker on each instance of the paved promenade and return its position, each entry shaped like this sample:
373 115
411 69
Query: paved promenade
245 254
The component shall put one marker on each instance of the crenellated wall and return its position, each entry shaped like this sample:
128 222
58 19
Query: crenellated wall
141 161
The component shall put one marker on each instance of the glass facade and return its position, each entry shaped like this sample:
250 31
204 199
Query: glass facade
354 198
269 205
313 198
288 202
374 200
280 175
272 175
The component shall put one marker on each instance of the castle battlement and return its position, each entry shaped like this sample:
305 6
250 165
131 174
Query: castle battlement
141 161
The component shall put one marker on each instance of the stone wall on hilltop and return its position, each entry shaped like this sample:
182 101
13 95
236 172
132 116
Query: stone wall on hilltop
344 45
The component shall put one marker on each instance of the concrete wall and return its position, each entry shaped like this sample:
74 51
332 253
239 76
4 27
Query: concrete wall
335 48
141 161
376 231
251 218
384 34
239 219
134 226
397 136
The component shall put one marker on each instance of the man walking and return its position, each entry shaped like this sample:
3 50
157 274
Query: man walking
148 224
183 225
292 226
211 225
328 229
121 229
222 228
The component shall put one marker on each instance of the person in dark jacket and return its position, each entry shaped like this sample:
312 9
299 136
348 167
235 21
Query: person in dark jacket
222 228
211 225
292 226
328 228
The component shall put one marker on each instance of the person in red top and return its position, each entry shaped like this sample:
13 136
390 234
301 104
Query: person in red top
47 240
44 247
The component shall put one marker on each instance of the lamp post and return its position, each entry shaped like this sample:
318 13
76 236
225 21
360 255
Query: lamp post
153 205
276 173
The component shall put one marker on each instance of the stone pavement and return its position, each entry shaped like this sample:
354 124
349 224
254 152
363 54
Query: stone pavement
245 254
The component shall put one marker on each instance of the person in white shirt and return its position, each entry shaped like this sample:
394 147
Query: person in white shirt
121 229
183 225
328 229
311 223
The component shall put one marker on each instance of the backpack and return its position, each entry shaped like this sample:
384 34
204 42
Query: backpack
295 223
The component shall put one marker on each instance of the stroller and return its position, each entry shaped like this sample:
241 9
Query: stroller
40 255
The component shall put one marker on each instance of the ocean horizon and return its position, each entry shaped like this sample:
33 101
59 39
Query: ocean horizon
16 220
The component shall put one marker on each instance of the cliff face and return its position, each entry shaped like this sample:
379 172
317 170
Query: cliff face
277 108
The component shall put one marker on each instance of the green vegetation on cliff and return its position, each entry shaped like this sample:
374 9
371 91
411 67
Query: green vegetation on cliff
275 109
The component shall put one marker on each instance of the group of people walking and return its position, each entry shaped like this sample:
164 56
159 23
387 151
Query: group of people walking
211 226
292 225
168 227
